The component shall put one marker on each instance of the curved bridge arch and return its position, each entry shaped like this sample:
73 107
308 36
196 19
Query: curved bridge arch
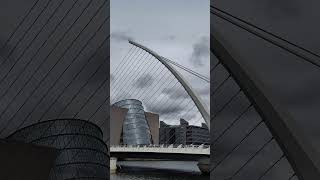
303 158
194 96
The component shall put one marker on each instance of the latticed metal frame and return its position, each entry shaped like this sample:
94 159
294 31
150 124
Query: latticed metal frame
135 128
82 154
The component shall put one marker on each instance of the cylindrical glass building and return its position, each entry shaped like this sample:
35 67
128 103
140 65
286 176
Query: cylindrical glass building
135 127
82 153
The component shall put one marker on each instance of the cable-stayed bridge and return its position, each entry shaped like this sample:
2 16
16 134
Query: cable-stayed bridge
168 152
144 75
253 136
154 80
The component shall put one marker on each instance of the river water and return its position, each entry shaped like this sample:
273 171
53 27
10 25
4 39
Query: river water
158 170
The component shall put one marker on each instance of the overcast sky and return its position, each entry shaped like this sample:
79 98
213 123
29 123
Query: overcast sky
178 30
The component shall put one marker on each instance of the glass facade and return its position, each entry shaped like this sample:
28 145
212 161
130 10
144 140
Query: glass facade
81 152
135 128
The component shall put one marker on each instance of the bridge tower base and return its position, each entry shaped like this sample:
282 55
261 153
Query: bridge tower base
204 165
113 165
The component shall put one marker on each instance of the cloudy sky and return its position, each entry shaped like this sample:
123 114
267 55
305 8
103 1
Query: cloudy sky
178 30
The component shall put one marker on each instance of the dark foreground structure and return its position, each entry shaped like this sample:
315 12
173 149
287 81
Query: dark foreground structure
54 64
81 152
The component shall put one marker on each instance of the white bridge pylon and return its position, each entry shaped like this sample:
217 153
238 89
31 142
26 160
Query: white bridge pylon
203 109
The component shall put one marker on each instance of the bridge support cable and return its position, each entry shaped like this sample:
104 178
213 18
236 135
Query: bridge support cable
234 147
154 74
61 57
32 41
124 64
145 71
302 157
132 79
166 104
103 83
163 102
251 158
225 105
188 70
183 102
215 66
43 45
163 87
55 46
292 176
137 68
100 87
101 65
104 102
220 85
146 98
26 32
231 124
265 31
122 61
19 24
271 167
66 87
76 94
59 77
200 105
267 39
164 94
155 97
130 68
127 68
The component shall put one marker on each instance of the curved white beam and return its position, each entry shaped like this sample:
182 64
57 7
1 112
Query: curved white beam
194 96
301 154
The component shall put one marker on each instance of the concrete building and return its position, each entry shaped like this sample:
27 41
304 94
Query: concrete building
130 124
184 134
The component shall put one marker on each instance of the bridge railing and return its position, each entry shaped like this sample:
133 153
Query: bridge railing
189 149
202 146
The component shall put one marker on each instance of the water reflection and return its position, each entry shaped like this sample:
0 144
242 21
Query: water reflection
166 176
158 170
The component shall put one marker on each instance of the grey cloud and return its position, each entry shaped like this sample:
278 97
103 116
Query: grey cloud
167 110
144 81
200 51
170 37
112 77
120 36
175 93
205 91
190 117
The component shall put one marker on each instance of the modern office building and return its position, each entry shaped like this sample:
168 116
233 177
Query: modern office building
131 125
184 134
